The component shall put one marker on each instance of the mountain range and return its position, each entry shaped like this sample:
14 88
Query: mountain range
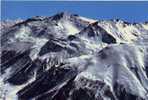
70 57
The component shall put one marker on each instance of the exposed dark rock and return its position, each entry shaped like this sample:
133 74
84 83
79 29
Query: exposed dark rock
107 38
71 37
61 94
49 80
52 64
123 95
50 46
9 58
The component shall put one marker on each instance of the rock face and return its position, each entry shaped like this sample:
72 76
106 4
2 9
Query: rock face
69 57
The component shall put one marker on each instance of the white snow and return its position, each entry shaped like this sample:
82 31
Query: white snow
93 44
24 35
39 42
122 32
118 64
145 26
114 68
8 91
87 19
69 27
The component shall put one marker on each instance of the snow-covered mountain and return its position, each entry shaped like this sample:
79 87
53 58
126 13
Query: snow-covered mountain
70 57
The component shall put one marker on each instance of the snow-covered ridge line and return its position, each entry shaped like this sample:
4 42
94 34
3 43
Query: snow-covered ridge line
70 57
67 14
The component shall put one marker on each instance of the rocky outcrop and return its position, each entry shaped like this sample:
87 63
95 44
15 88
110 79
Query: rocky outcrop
69 57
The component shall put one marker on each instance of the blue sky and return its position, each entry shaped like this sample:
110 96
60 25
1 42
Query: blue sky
128 11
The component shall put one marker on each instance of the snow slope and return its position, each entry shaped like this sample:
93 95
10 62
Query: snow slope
70 57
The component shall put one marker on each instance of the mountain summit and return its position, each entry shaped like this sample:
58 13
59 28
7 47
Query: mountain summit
70 57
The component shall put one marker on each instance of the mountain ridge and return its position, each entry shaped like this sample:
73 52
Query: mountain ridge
69 57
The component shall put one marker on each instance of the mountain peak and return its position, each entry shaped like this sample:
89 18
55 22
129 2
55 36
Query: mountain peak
64 15
60 15
71 57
